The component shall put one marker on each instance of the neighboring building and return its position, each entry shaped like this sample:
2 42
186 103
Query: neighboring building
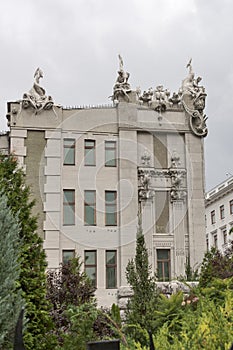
219 215
96 171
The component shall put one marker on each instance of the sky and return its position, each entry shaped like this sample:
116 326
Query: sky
76 44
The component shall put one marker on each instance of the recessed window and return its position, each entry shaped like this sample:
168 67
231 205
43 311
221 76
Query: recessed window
90 265
231 206
222 212
224 235
110 208
68 207
67 255
89 152
163 264
90 207
110 153
212 217
215 241
69 151
111 269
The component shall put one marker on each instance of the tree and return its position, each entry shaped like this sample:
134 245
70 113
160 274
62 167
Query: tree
10 295
32 278
68 288
143 302
216 265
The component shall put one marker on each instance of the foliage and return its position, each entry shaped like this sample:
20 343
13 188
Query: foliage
32 279
139 314
68 288
216 265
207 326
10 296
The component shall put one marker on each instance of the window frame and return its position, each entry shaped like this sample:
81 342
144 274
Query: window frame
111 266
107 148
222 211
110 205
66 147
88 148
71 205
231 206
167 261
213 217
86 266
92 205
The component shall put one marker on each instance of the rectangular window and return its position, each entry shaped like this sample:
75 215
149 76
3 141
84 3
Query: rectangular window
212 216
110 208
69 151
224 235
90 265
215 241
90 207
163 264
222 212
231 206
67 255
89 152
110 153
111 269
68 207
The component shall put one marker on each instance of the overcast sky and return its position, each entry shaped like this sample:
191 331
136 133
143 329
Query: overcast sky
76 43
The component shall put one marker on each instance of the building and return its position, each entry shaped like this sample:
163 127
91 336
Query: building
95 172
219 215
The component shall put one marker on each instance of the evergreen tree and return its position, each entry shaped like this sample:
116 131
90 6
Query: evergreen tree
10 295
32 279
144 300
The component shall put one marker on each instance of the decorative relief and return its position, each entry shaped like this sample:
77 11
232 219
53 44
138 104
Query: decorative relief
193 100
146 158
36 97
144 191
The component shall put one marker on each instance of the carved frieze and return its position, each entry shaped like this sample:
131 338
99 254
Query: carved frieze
36 97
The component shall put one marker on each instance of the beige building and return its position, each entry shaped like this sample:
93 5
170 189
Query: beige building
219 215
95 171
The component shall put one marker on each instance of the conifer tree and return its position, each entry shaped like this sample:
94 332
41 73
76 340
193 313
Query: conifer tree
138 275
32 279
10 295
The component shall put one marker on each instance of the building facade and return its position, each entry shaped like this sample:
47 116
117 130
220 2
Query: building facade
97 172
219 215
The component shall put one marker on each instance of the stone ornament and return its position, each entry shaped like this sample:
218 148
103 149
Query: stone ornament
36 97
193 101
121 88
146 158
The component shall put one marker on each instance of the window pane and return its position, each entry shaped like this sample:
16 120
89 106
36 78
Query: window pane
67 255
162 254
163 264
89 208
111 257
90 257
69 151
68 207
91 273
110 196
111 277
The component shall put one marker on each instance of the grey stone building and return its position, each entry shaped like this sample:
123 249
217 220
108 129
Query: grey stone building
96 171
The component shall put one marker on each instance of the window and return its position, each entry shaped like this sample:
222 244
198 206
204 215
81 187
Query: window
110 208
90 207
111 269
215 241
212 216
89 152
67 255
222 213
163 264
68 207
90 265
69 151
231 206
224 235
110 153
